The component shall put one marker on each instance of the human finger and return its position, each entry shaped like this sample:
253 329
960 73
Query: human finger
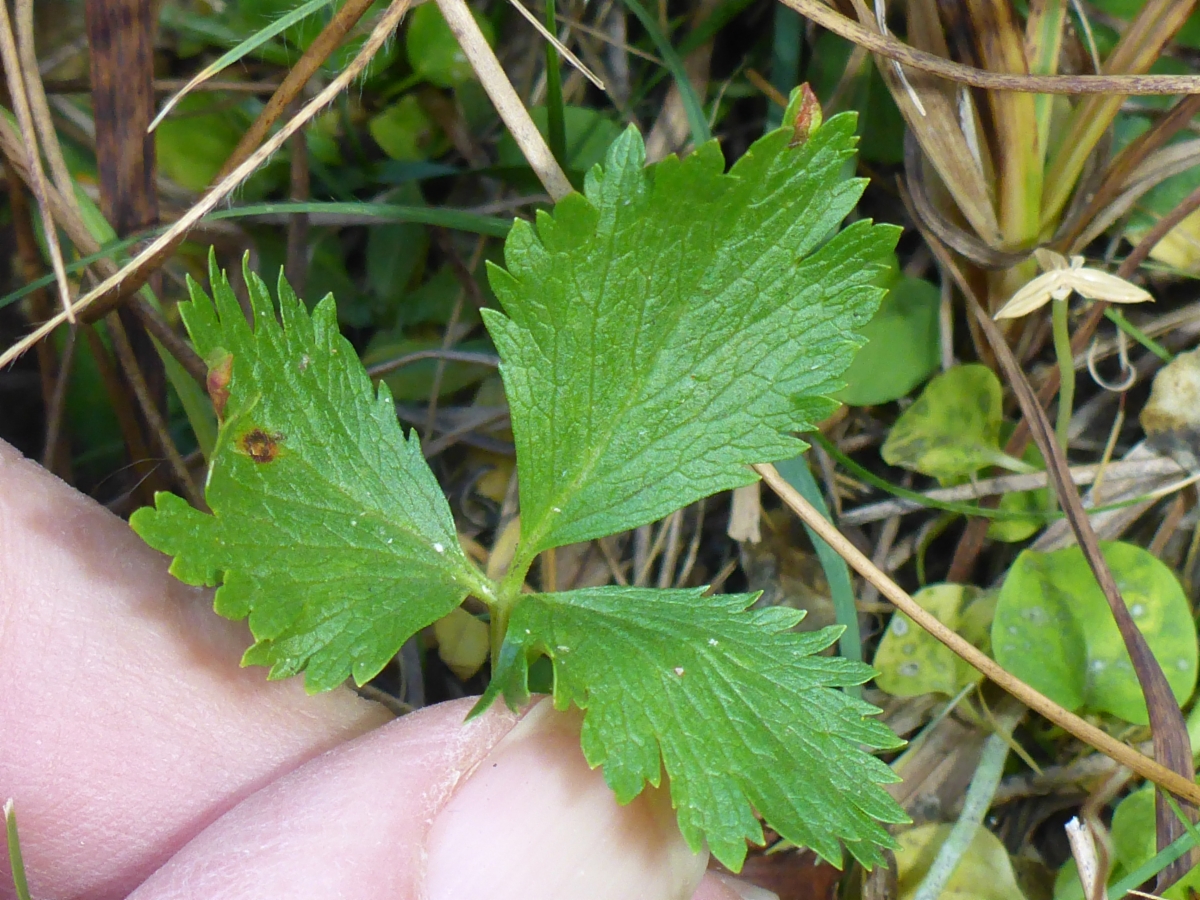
433 808
128 724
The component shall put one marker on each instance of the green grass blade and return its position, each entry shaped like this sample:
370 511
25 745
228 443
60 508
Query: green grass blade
785 58
975 806
491 226
210 29
722 15
795 472
1151 867
16 863
107 250
1118 318
252 43
964 509
1189 826
554 96
691 103
195 402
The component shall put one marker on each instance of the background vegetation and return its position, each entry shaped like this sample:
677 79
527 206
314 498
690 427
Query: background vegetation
394 196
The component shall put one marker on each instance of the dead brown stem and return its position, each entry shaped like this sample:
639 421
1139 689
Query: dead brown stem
141 391
289 89
1038 84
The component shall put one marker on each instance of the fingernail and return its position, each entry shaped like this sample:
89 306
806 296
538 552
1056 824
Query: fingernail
745 889
533 822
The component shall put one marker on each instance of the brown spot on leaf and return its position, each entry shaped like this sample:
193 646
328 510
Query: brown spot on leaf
808 117
217 382
260 446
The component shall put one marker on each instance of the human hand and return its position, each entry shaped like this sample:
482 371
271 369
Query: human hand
143 759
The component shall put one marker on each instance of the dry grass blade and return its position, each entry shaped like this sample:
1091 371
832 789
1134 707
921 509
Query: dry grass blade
936 129
1133 85
1140 46
504 97
151 257
38 105
1127 162
68 217
20 101
297 77
1000 43
968 245
1043 705
141 391
558 45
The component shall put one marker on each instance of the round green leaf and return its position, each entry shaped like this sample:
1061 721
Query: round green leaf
911 661
903 346
433 52
403 130
984 873
1054 630
953 428
192 145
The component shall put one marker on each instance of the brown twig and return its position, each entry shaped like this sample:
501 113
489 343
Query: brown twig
56 408
37 181
1038 702
296 263
494 417
289 89
891 48
483 359
133 374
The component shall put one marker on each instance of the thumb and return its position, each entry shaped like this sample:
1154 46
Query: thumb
534 814
432 808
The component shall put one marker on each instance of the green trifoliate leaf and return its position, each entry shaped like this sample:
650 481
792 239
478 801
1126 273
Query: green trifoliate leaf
731 703
671 324
327 529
